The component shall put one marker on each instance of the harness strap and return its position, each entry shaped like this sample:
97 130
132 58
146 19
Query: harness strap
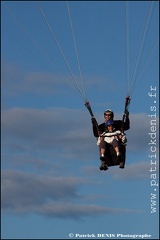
127 102
88 106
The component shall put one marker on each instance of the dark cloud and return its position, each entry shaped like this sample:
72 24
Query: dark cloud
54 142
56 127
24 192
20 189
49 129
52 136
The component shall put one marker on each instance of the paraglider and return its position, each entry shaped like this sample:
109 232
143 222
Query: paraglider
110 155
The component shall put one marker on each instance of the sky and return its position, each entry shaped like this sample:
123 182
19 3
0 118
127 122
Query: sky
51 184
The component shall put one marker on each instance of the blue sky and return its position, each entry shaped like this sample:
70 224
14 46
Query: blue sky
51 182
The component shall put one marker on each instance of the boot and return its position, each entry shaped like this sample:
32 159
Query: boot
103 166
121 165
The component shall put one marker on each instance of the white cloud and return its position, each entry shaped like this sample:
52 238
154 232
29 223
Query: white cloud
16 82
78 211
22 81
134 171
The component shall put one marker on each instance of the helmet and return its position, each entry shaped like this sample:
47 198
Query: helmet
109 122
109 111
